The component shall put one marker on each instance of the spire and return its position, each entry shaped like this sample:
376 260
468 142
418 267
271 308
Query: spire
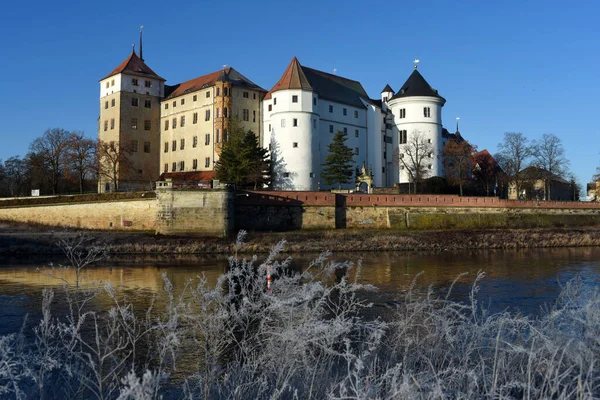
457 118
293 78
141 28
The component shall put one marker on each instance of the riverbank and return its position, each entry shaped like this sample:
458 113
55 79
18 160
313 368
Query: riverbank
18 239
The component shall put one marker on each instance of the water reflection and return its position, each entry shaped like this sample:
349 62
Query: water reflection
522 280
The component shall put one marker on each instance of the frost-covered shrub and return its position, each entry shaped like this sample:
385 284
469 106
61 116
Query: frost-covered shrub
309 336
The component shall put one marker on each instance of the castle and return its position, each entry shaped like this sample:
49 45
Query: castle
176 131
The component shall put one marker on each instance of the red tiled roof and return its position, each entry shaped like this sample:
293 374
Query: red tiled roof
197 83
188 176
293 78
135 65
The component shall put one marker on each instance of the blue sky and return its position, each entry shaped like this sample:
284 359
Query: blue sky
504 66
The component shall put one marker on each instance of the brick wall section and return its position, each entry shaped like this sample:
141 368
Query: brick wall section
130 215
399 200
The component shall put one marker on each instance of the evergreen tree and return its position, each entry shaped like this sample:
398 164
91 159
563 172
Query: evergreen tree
242 162
338 166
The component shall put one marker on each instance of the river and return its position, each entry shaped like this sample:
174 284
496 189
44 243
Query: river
517 280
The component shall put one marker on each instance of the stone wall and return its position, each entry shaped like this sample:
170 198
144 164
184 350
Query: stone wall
195 212
131 215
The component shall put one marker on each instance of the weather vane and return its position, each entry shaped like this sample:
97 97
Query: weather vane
416 61
334 70
224 66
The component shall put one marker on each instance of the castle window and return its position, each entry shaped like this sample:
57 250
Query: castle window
245 95
134 101
148 83
385 155
274 101
286 174
166 147
166 106
218 91
312 174
426 112
225 91
383 170
112 83
182 122
355 114
207 162
218 136
207 115
330 128
218 113
106 125
283 123
106 104
224 135
254 96
134 82
314 101
146 147
295 144
253 115
345 111
181 144
174 103
245 114
195 98
330 109
428 140
294 99
207 139
402 113
195 163
148 103
345 131
208 94
356 151
112 103
112 123
182 101
195 118
269 127
225 112
429 166
147 125
174 167
174 145
384 99
270 107
134 146
174 123
166 167
134 123
295 122
181 165
195 141
402 137
166 124
107 84
356 133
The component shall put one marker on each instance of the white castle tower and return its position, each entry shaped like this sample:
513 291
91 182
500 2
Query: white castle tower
417 110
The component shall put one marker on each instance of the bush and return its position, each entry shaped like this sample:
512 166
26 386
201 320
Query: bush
307 337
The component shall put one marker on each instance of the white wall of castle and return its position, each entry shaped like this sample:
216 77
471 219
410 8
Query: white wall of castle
303 148
416 122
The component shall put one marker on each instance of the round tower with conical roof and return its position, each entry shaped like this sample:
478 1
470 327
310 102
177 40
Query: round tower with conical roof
417 111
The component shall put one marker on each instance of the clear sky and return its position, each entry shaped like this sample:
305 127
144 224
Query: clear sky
503 66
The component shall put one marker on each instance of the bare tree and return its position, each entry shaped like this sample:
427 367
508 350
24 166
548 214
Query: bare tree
81 157
549 154
48 154
457 160
113 161
514 156
15 175
415 157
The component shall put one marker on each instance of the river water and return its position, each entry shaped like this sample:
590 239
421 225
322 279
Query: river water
523 281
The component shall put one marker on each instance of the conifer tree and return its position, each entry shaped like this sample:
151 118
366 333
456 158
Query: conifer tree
338 166
242 162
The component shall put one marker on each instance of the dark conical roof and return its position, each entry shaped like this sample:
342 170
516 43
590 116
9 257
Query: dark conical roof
387 88
223 77
416 85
